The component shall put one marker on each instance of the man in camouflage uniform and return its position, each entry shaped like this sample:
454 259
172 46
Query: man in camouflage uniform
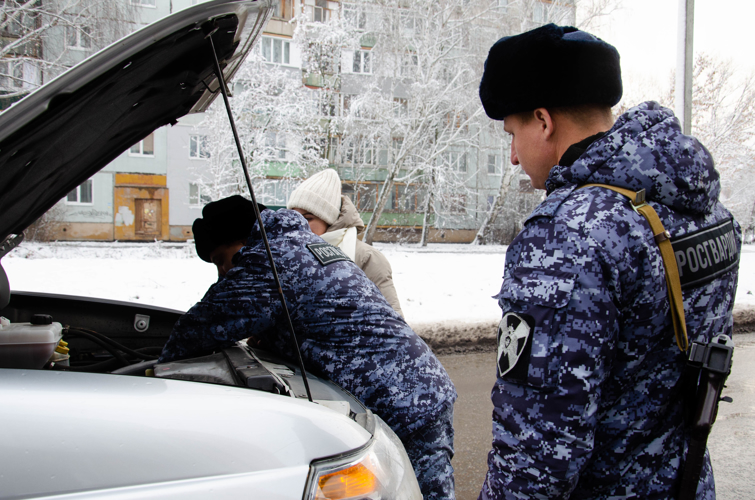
587 400
346 329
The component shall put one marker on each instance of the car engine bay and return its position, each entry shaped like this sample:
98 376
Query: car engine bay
52 340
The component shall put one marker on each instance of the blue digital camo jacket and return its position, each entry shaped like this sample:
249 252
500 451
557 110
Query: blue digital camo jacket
346 328
592 408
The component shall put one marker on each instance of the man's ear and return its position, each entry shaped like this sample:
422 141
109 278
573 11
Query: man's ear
545 122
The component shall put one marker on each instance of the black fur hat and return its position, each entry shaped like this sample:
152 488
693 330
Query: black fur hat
224 221
550 66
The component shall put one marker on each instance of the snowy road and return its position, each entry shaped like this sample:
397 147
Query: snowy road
730 443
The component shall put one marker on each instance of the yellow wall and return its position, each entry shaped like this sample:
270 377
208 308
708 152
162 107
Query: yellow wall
129 188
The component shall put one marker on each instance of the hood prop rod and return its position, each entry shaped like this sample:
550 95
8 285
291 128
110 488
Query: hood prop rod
224 91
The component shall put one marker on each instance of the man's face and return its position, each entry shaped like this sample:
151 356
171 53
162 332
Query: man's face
222 256
530 147
316 224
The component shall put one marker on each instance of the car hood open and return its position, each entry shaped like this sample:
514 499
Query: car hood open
67 130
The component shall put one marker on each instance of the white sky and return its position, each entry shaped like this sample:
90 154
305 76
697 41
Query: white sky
645 34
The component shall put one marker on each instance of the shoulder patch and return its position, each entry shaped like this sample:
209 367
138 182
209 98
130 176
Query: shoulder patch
706 254
327 253
514 344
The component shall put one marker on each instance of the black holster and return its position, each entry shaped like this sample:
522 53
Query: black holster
706 371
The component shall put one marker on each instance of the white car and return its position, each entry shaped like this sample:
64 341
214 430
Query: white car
103 420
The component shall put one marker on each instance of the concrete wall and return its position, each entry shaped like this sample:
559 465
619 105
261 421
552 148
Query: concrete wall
182 171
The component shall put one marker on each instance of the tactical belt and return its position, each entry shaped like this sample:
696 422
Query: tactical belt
663 239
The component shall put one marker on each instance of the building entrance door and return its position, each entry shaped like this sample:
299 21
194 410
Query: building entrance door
148 217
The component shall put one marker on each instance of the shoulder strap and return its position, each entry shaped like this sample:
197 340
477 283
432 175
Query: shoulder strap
662 238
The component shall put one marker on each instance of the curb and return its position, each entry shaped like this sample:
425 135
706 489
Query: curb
465 334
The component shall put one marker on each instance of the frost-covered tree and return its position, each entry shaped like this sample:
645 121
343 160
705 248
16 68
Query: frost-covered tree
38 37
512 203
417 110
279 127
723 119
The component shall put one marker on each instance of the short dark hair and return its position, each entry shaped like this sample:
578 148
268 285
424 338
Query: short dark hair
581 114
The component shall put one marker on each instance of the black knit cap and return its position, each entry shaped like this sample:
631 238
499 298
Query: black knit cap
550 66
224 221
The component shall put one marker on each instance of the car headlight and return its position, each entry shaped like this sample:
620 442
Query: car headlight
379 471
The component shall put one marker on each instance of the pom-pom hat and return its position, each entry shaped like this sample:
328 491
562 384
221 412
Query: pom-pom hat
551 66
224 221
319 195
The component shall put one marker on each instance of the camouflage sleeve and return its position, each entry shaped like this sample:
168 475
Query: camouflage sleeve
545 409
230 311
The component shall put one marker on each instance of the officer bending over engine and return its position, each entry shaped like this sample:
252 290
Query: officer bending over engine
346 329
588 403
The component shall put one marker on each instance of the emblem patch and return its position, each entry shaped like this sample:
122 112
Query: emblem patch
327 253
513 334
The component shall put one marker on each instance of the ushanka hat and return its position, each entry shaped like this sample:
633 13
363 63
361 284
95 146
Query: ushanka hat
551 66
224 221
319 195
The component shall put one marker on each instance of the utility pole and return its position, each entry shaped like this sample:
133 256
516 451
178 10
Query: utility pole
684 62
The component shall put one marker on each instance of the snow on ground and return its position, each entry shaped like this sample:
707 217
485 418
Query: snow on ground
443 282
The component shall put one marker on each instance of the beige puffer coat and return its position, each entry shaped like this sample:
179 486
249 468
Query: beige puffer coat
368 258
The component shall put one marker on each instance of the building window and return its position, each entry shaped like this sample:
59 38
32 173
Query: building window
400 107
284 9
12 74
145 147
199 147
276 50
360 152
327 103
406 198
491 202
78 38
144 3
409 63
493 164
411 24
367 197
355 16
82 195
453 203
277 141
455 161
362 62
197 197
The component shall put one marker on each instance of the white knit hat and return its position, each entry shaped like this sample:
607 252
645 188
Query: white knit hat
319 195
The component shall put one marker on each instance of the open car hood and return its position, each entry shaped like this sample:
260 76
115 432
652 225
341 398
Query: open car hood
67 130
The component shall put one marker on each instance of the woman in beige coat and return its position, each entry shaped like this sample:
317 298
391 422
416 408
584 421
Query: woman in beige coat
335 219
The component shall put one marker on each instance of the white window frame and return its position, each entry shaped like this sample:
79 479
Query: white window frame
140 145
269 53
362 63
400 107
496 164
455 160
80 34
355 16
199 199
409 64
152 4
277 141
199 147
77 192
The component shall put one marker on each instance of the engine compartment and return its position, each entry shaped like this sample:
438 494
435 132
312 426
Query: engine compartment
126 339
